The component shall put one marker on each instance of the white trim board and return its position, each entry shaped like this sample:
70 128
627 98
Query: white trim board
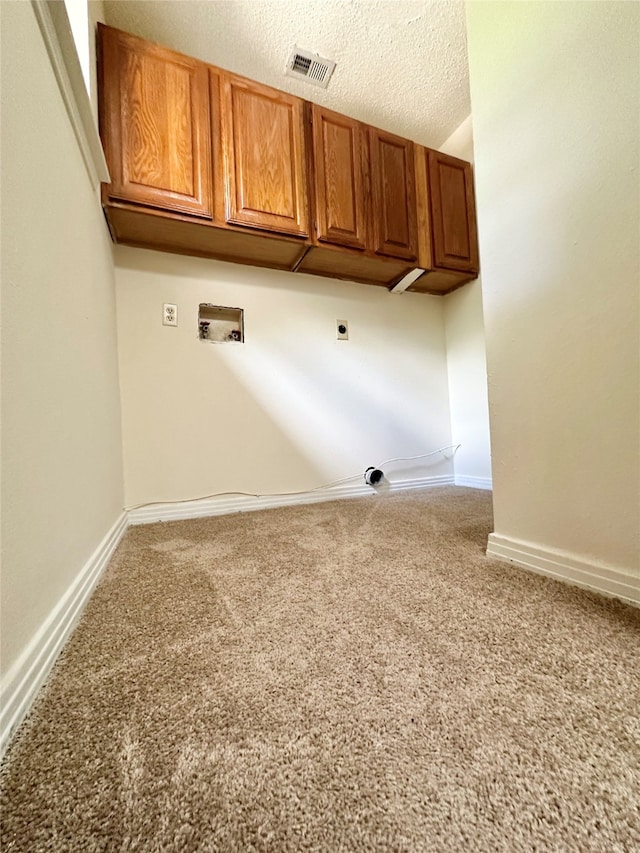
23 680
225 504
53 21
564 567
474 482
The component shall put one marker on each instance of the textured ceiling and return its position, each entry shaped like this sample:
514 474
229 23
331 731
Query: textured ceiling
401 64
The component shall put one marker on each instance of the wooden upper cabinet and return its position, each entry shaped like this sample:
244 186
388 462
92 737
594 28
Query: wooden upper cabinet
339 151
452 212
264 157
154 123
393 195
207 162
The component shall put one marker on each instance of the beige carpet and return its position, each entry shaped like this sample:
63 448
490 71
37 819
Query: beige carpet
345 676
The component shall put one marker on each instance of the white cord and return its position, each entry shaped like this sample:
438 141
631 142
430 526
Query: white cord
246 494
419 456
301 491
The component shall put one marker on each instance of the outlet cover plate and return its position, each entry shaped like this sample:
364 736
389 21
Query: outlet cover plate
169 314
342 330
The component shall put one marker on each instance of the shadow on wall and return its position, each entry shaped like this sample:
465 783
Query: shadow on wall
215 437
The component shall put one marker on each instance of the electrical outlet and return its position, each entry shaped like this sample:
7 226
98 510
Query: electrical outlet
342 330
169 314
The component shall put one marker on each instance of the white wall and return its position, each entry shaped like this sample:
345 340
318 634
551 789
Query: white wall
554 90
61 438
290 409
466 362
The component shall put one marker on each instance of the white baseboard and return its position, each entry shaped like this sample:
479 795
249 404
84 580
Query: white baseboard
474 482
23 680
564 567
225 504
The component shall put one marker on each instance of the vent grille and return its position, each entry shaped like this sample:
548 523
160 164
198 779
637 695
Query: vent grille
308 66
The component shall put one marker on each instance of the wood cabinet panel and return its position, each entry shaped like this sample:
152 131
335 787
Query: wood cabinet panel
264 157
339 149
452 204
393 191
154 122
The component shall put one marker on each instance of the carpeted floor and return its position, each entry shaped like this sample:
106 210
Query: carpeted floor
344 676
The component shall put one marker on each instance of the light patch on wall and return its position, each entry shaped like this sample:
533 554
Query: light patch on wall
322 413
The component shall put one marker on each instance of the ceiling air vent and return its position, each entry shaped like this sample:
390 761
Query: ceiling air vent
308 66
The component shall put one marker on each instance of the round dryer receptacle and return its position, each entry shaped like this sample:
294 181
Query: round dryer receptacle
373 476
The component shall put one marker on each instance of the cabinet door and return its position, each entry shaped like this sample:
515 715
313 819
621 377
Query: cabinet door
264 157
394 195
453 220
338 153
154 123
